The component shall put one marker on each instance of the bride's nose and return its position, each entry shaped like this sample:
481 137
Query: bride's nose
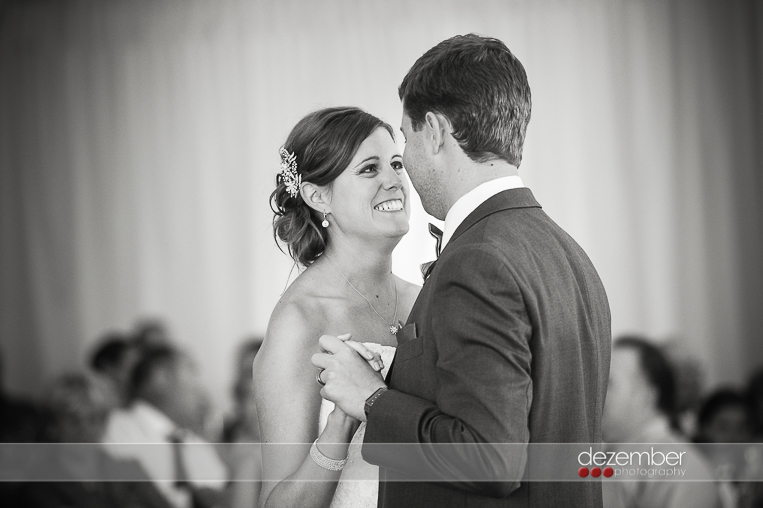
392 180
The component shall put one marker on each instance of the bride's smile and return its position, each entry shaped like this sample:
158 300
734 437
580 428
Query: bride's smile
370 197
391 205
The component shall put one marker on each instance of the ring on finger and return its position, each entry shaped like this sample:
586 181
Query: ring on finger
318 378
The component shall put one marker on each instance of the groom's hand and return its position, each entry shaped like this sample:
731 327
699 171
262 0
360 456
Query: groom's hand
373 359
348 378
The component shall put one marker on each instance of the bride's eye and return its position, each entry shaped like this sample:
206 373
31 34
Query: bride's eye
371 168
397 166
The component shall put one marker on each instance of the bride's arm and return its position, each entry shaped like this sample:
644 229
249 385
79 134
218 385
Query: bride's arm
288 404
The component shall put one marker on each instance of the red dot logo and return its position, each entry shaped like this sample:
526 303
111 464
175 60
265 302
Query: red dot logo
608 472
596 472
583 472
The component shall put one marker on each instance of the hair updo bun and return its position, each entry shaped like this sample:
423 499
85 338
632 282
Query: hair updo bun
323 143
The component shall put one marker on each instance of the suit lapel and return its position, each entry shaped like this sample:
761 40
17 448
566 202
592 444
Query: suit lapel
505 200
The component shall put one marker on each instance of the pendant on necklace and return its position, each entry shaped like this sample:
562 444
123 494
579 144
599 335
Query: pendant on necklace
393 329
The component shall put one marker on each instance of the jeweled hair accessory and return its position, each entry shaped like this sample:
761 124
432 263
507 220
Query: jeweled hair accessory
289 176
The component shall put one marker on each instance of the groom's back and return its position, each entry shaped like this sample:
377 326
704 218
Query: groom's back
570 344
564 324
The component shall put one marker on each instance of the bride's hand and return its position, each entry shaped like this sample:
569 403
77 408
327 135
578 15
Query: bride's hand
337 434
342 419
373 359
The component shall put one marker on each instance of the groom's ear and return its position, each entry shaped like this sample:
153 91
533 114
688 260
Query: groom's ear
438 127
317 197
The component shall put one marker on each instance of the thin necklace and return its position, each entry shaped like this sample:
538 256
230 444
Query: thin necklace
395 325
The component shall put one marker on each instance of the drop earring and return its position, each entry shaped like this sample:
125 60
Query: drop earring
325 222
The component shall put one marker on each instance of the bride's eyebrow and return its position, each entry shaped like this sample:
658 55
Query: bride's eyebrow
373 157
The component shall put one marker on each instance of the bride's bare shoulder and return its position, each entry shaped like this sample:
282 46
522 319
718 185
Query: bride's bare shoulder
283 371
297 319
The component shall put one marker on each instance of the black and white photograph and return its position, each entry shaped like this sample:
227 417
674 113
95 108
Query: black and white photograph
349 254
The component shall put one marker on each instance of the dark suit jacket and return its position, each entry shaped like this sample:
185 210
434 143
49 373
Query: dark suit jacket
511 345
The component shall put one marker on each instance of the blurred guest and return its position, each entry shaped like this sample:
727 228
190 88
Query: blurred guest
639 408
151 332
243 428
77 406
751 492
166 400
689 378
20 422
114 358
722 418
755 405
19 419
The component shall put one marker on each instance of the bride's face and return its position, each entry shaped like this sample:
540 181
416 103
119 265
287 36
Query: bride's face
370 197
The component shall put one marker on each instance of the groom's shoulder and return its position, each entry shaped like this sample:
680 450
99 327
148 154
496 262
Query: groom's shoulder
510 237
512 228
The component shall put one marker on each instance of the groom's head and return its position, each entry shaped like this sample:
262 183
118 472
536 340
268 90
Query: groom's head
479 89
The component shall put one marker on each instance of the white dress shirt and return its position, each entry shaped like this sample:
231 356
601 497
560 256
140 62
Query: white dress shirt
469 202
143 424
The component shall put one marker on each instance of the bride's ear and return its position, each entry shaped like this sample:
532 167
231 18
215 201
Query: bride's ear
317 197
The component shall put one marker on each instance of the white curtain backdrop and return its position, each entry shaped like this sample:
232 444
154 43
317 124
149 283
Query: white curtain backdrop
138 148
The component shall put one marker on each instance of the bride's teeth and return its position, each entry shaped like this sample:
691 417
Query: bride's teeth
395 204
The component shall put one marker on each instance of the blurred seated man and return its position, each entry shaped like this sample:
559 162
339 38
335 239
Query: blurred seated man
76 408
639 407
114 358
166 401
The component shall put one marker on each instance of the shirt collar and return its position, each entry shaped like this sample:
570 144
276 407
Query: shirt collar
152 419
469 202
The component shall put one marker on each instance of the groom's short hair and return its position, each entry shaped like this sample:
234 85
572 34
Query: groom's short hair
481 87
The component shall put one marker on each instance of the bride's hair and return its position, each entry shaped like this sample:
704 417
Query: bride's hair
324 143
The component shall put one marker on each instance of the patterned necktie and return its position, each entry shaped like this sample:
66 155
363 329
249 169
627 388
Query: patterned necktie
436 233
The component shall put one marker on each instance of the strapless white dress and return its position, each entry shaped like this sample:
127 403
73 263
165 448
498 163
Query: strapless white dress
358 485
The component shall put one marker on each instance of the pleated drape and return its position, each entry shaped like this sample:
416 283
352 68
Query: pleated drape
138 148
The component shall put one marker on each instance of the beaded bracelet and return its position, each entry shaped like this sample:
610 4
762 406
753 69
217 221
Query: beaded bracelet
325 462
